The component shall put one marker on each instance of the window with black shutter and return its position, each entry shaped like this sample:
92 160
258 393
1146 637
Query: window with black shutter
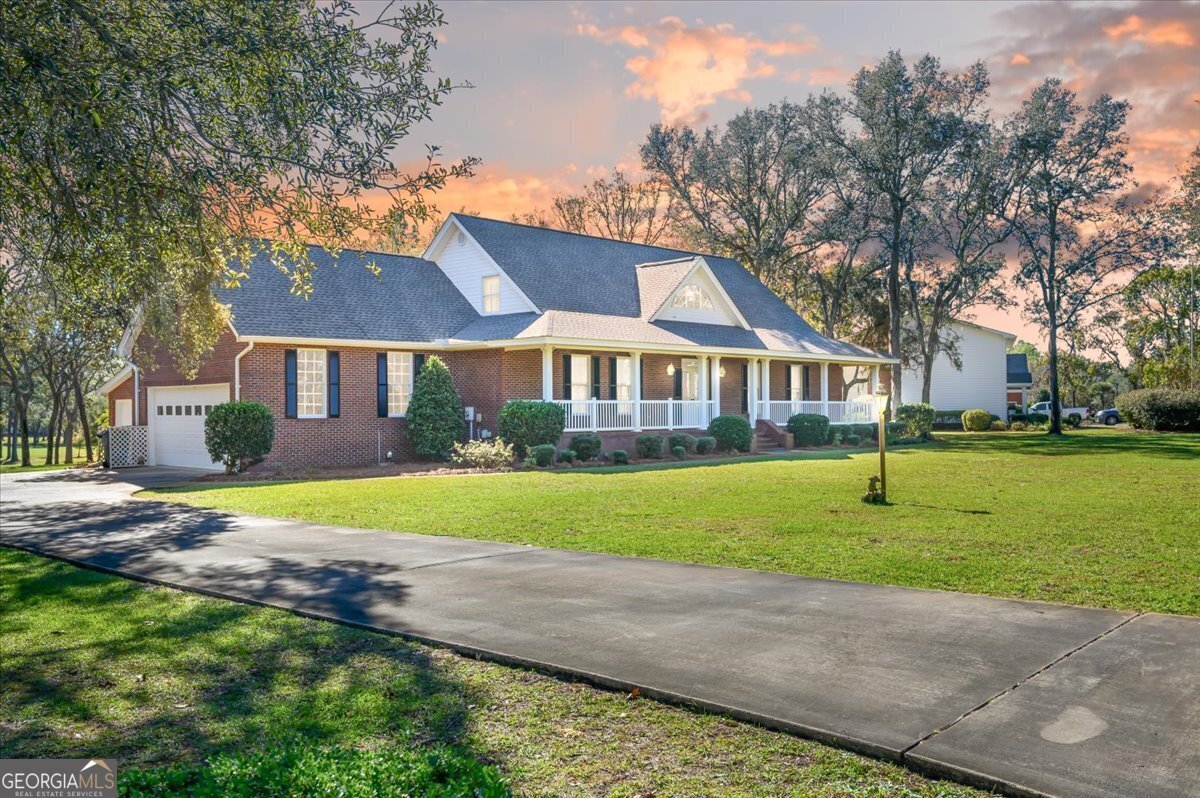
289 383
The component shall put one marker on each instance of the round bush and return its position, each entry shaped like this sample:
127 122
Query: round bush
999 426
566 456
732 433
526 424
705 444
918 419
587 445
853 440
435 414
680 452
648 446
809 429
239 434
489 455
542 455
976 420
620 457
1161 409
688 442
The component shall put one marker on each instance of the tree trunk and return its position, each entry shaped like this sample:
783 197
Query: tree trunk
926 378
1052 325
52 432
23 419
83 419
893 291
69 438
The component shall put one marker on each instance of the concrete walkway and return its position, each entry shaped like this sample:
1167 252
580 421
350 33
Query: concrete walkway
1031 698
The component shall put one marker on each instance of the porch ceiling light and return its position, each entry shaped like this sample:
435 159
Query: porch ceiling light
670 369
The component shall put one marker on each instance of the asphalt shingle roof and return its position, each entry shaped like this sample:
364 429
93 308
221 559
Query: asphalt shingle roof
410 300
1018 369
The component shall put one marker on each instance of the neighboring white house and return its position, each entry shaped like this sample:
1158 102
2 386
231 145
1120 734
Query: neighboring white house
983 380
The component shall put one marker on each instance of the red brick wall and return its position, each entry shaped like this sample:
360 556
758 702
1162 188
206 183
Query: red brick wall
731 386
122 391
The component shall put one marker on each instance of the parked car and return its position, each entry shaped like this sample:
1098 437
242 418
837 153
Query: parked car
1109 417
1079 413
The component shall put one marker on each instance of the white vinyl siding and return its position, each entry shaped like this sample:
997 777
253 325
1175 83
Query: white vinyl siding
311 387
466 265
982 383
399 382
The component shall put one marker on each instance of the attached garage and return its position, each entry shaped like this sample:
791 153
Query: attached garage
177 423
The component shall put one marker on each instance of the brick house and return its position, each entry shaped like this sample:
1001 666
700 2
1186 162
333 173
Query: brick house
629 338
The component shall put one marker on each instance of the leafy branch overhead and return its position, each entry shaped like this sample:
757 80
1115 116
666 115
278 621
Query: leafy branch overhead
147 146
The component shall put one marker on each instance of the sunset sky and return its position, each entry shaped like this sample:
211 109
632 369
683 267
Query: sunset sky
567 91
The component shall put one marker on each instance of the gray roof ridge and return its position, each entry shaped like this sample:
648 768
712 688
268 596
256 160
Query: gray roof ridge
669 262
587 235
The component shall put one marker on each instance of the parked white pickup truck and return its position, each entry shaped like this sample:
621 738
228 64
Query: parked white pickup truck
1067 412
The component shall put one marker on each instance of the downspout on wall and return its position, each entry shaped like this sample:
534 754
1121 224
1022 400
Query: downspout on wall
237 372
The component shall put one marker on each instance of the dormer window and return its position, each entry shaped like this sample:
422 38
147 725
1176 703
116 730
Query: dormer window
692 297
491 293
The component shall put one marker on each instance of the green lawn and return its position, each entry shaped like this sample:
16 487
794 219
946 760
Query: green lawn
199 696
37 455
1101 517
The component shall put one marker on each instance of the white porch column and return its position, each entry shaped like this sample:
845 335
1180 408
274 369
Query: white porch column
702 389
715 393
825 389
547 373
752 390
766 387
635 363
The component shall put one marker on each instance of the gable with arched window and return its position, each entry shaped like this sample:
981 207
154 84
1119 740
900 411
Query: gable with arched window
692 297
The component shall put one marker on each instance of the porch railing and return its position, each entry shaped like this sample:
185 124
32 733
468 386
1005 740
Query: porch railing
609 415
853 412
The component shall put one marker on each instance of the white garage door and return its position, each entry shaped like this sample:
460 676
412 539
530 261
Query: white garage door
177 418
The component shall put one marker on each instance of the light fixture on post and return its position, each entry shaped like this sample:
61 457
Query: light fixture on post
670 369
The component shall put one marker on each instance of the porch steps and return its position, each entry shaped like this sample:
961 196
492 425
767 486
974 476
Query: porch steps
769 437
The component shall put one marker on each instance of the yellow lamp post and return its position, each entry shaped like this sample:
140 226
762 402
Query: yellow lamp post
881 402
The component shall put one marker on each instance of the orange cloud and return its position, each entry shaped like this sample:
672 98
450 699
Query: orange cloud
1171 32
1018 59
690 68
827 76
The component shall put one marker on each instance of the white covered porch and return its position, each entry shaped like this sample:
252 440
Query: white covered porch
638 391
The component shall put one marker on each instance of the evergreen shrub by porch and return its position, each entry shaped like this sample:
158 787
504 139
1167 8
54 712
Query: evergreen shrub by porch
239 434
976 420
688 442
1161 409
918 419
620 457
435 414
542 455
526 424
853 440
732 433
587 445
680 452
566 456
706 444
648 446
809 429
1030 418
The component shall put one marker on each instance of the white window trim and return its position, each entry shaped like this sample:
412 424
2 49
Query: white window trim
485 295
797 370
692 297
324 361
411 380
581 377
691 366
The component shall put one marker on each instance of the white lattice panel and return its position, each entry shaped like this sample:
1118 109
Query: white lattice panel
128 446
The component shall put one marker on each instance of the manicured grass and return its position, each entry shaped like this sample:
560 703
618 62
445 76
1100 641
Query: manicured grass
1099 517
37 455
199 696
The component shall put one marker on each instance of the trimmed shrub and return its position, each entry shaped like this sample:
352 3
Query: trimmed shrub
688 442
999 426
435 414
620 457
732 433
543 454
853 440
1161 409
680 452
587 445
482 454
1018 426
567 456
808 429
648 446
705 444
976 420
917 418
1030 418
526 424
239 434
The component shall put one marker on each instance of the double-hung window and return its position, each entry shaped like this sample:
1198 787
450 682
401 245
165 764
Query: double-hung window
399 382
581 378
491 293
311 385
624 383
796 382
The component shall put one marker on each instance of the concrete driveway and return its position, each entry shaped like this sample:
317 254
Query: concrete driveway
1030 698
